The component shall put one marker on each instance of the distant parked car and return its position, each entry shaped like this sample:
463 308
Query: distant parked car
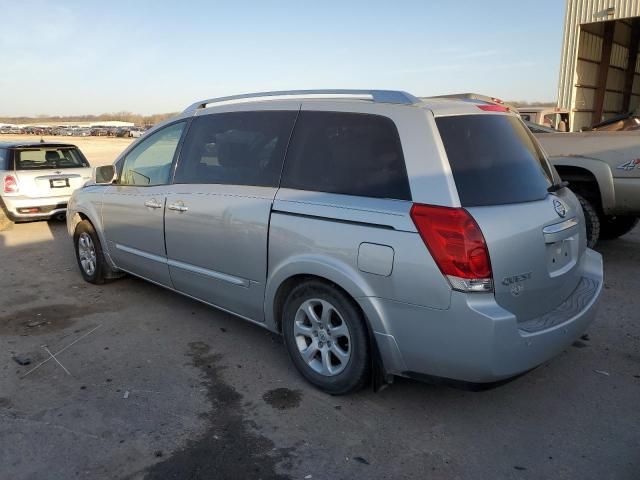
380 234
136 132
99 132
37 179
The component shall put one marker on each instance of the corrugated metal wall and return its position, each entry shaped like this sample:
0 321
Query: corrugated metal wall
580 51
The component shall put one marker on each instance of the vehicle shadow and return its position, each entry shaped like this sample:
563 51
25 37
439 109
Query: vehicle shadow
553 415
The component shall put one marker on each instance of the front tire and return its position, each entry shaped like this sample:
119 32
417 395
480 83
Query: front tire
591 219
614 227
326 338
89 253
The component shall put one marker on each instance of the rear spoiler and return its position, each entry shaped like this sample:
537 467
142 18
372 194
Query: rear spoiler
479 98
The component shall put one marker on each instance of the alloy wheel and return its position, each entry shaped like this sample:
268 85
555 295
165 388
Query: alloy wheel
87 253
322 337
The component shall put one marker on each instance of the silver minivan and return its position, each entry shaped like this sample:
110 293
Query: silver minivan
381 234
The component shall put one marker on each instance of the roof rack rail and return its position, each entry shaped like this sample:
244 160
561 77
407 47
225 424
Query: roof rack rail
378 96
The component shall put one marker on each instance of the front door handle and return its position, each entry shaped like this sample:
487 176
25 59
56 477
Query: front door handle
178 207
153 203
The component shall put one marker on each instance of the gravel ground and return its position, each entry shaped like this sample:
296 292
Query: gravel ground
160 386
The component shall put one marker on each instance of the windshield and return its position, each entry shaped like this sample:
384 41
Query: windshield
494 160
49 158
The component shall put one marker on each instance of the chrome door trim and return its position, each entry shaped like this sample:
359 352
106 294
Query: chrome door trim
140 253
249 319
240 282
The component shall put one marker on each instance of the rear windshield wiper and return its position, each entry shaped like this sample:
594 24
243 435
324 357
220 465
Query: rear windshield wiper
557 186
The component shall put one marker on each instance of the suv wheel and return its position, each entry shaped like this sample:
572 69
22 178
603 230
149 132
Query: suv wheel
5 221
89 253
326 338
614 227
591 220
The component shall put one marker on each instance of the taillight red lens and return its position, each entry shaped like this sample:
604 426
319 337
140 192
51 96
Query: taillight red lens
493 108
10 184
454 240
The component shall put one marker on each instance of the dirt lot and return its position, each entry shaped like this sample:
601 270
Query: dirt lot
160 386
98 150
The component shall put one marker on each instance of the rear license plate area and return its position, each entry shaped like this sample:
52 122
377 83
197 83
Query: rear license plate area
561 255
59 183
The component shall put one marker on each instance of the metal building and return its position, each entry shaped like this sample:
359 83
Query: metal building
599 67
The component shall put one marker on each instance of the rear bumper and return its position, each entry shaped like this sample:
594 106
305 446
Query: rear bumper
476 340
47 207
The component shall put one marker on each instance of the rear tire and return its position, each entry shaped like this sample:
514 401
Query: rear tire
5 221
89 254
591 220
326 338
614 227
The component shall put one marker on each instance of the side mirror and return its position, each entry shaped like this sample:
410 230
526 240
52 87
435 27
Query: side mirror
105 175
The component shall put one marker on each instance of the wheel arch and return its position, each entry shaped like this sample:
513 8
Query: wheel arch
585 173
281 288
286 275
75 219
79 216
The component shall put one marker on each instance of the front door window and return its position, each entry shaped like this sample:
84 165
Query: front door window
149 163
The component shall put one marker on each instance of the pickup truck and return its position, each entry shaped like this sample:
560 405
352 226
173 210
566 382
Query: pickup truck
552 117
603 169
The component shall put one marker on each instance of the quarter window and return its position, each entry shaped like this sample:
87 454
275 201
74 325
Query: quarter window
236 148
149 163
347 153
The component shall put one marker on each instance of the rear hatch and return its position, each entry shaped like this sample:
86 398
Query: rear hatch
535 237
50 171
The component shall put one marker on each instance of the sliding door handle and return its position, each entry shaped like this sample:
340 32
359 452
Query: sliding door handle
178 207
153 203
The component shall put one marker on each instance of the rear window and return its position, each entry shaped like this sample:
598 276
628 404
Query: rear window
49 158
494 160
346 153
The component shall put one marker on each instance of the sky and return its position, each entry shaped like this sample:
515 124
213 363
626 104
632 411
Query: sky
91 57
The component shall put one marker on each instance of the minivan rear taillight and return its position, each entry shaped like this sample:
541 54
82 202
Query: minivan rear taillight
457 246
10 184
